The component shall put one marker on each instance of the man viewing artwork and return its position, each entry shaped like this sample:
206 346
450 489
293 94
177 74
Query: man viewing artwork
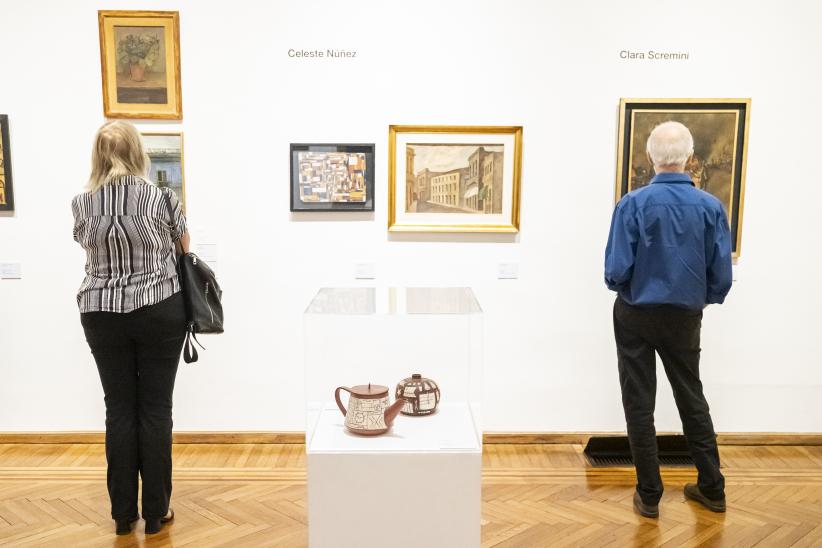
668 257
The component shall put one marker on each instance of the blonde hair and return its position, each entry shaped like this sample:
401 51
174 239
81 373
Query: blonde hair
118 151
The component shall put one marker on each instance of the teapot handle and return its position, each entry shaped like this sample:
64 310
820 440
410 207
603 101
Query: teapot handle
339 402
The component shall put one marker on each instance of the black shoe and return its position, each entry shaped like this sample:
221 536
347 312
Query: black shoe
125 526
692 492
154 525
647 510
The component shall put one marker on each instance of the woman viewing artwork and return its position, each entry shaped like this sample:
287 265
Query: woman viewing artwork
132 313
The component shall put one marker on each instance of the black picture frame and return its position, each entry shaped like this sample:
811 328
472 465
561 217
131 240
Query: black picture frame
5 165
299 204
675 109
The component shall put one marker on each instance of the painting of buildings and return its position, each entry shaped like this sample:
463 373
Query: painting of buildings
165 150
454 178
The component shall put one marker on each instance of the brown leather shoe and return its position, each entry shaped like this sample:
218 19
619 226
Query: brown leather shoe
692 492
646 510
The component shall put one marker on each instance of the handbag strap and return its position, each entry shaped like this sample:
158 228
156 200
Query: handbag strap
168 205
171 220
189 350
190 354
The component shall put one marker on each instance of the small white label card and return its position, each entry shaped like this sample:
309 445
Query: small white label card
365 271
507 271
11 271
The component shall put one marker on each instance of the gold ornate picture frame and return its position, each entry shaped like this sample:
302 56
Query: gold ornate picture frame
720 131
454 178
140 64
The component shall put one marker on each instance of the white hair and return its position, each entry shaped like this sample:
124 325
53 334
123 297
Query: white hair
670 144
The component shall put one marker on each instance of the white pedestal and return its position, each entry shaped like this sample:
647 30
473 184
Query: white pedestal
418 485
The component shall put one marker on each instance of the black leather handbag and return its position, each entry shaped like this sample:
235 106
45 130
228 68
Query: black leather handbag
201 294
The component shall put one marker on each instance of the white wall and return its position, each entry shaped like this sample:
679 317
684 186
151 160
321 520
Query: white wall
552 67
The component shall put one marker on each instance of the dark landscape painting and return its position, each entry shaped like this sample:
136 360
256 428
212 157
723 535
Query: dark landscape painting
712 166
719 128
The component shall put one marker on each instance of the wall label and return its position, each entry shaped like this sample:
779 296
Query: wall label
651 55
322 53
507 271
365 271
11 271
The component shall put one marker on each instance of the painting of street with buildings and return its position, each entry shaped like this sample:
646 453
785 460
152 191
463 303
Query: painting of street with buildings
165 150
454 178
335 176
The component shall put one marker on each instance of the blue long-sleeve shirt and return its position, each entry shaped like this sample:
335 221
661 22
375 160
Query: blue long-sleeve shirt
669 244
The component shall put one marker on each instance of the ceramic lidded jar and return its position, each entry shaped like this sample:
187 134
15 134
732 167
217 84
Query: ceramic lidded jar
421 395
369 410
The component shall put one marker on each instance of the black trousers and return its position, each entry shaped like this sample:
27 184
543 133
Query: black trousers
137 354
673 333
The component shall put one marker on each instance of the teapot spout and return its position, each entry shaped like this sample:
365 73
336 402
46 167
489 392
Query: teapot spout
392 411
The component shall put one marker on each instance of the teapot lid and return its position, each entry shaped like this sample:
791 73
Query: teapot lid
416 378
369 391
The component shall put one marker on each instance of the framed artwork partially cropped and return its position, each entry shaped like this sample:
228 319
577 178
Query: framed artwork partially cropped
6 190
454 178
165 150
332 177
140 61
720 131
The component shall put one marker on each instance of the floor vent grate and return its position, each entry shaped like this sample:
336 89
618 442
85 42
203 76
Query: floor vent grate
608 451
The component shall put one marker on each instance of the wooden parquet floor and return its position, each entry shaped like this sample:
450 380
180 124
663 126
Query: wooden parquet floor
533 496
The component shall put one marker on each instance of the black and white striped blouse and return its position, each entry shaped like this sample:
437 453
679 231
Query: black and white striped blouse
128 232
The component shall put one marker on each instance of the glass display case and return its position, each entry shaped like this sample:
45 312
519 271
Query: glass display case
362 336
356 337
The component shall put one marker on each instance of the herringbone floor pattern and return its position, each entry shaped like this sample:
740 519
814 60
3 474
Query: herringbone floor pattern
533 496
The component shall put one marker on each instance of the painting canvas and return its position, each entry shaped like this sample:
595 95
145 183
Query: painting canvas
6 191
458 178
454 179
719 128
165 150
332 177
140 56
